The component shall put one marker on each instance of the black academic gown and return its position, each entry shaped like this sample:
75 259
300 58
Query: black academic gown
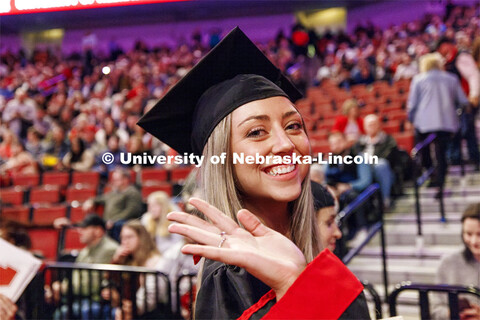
227 291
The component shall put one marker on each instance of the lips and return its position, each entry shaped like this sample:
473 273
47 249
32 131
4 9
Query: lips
279 170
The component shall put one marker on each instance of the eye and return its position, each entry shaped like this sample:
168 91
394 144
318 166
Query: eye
295 126
256 132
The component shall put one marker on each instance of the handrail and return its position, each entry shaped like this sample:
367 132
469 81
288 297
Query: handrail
370 192
424 289
419 146
376 299
103 274
420 178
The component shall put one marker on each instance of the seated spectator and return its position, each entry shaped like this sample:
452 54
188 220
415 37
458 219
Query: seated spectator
407 69
348 181
6 145
123 203
462 268
324 204
19 113
34 143
20 162
55 147
377 143
138 249
100 248
113 147
350 123
79 158
156 223
317 173
363 73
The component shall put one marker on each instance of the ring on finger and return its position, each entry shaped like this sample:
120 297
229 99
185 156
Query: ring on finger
222 234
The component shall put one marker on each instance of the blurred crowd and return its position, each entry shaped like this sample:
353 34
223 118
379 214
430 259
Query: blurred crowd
64 112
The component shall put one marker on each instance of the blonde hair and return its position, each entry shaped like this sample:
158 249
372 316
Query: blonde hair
348 105
220 189
146 248
431 61
164 201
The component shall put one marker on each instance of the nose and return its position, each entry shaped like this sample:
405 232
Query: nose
282 142
336 232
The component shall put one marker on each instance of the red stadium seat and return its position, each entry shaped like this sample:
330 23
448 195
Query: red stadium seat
86 178
405 141
26 180
179 174
46 194
153 176
76 214
44 241
400 115
80 194
61 179
46 215
71 240
13 196
165 187
391 127
133 176
18 213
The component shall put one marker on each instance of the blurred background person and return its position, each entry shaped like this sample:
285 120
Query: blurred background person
155 220
433 100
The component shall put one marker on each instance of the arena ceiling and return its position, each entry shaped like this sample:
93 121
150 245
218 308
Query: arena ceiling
162 12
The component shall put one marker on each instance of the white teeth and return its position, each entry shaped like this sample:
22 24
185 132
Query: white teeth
277 170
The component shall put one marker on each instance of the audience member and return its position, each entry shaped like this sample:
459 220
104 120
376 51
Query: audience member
19 113
99 248
122 203
138 249
348 181
433 99
350 123
462 268
156 223
326 208
79 158
377 143
20 162
462 65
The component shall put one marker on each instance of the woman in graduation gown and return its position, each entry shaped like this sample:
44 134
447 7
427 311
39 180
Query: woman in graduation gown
258 232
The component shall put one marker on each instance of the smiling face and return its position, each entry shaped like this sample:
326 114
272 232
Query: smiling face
471 236
269 127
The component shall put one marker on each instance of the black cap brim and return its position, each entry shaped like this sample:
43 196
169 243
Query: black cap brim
171 119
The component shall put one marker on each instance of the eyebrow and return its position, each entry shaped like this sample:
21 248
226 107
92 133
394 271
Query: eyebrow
264 117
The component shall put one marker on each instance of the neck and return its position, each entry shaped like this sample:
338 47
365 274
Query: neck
273 214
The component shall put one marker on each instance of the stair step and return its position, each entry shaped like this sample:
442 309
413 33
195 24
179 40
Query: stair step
414 270
434 233
473 190
409 252
426 217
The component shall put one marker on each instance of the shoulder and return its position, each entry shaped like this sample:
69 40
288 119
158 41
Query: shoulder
108 243
452 260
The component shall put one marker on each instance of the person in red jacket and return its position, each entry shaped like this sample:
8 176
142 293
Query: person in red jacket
350 123
259 235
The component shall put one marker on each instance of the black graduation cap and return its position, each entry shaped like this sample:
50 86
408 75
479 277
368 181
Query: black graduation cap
321 197
233 73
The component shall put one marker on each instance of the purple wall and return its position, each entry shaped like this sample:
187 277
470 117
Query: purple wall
258 28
